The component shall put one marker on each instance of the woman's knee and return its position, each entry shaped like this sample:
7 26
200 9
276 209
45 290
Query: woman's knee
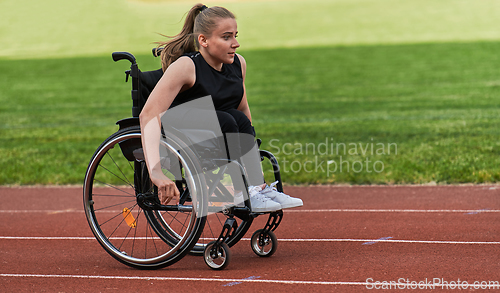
244 124
227 122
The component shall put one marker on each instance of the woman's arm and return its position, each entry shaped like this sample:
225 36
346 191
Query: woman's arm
179 76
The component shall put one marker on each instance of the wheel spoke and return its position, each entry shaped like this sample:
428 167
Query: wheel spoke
114 205
113 186
119 169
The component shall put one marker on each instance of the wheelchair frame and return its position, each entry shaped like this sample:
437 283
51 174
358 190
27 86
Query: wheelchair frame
122 206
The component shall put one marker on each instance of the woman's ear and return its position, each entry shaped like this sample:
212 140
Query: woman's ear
202 40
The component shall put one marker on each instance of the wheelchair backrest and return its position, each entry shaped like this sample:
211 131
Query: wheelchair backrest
147 82
142 82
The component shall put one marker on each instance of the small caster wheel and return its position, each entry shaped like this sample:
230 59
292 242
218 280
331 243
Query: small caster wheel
219 259
264 245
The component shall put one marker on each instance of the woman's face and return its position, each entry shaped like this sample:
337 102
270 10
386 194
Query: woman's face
222 44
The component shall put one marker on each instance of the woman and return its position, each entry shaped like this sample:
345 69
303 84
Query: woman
200 61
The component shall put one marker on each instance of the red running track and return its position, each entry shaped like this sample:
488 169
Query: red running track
343 239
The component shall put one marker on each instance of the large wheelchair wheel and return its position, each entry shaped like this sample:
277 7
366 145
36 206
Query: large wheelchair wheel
117 191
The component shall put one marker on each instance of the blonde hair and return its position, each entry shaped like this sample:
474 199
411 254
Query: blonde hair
199 20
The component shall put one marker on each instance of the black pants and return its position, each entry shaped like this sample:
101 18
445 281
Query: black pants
239 136
234 121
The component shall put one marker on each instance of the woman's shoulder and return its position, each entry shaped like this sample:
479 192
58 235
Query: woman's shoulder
182 63
182 70
243 64
241 59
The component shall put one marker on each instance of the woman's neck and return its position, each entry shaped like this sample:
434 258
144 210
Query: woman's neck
214 64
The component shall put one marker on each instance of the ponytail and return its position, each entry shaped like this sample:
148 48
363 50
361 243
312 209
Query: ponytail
200 19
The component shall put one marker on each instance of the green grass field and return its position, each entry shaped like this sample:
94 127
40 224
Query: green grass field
390 92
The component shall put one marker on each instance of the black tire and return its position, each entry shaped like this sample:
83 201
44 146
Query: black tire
220 260
264 245
133 236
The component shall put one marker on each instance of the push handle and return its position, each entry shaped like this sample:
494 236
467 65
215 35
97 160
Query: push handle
117 56
157 51
134 73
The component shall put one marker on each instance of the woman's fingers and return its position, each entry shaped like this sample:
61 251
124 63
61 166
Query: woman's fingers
162 194
167 192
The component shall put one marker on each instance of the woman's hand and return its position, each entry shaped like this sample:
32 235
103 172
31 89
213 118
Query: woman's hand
167 190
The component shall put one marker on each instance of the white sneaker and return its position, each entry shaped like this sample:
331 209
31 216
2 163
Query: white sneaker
239 199
284 200
259 202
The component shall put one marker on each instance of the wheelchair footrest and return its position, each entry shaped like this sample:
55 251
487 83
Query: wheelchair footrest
273 221
228 230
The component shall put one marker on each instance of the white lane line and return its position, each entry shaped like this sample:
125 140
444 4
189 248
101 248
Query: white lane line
50 238
393 241
182 279
391 211
41 211
287 211
280 239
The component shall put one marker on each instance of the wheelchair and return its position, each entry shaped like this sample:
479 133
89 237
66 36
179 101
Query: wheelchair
122 206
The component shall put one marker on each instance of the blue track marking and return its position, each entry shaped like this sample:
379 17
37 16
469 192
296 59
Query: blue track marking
476 212
236 283
375 241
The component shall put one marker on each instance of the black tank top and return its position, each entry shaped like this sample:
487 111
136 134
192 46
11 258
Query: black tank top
225 86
